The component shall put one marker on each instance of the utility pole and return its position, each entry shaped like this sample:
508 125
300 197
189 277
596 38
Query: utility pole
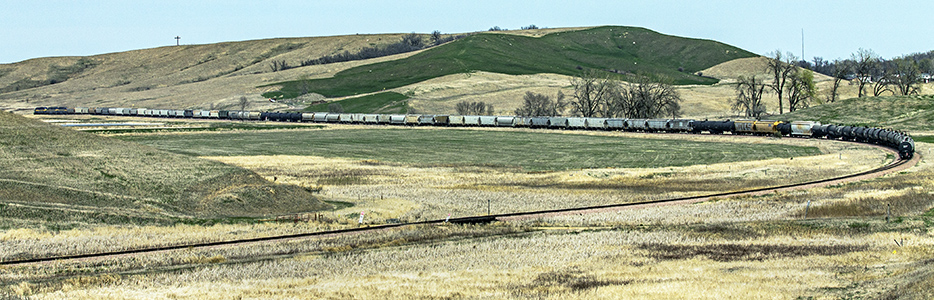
177 42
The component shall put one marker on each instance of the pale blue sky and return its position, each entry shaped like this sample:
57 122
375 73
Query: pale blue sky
833 29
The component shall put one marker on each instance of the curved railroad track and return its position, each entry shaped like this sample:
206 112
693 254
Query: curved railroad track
894 166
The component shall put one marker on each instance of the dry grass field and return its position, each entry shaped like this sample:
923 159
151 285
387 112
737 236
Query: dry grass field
740 248
871 239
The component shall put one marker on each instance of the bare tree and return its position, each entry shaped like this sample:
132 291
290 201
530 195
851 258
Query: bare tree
646 98
473 108
906 76
436 37
590 92
244 103
535 104
782 69
801 90
840 69
279 65
749 97
865 61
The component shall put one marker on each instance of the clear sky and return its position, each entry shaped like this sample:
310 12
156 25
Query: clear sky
832 29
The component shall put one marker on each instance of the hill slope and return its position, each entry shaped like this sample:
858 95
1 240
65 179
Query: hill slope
899 112
60 175
186 76
625 50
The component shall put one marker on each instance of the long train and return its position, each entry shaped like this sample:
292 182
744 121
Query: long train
900 141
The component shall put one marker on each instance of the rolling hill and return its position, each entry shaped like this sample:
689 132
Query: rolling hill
217 75
54 175
620 50
912 113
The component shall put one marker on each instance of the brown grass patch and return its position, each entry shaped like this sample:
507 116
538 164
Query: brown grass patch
723 252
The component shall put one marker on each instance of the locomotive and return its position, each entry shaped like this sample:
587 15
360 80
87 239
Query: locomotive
900 141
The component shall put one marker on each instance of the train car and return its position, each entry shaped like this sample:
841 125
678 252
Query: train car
713 127
744 126
615 124
345 118
767 127
802 128
370 118
397 119
680 125
487 121
577 123
308 117
320 117
636 125
595 123
505 121
906 148
411 120
558 122
442 120
426 120
657 125
455 120
81 110
539 122
471 120
332 118
522 122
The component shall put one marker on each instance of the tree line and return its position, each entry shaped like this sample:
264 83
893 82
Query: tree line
597 94
792 80
874 74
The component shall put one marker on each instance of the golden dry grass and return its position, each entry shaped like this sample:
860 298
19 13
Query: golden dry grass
739 248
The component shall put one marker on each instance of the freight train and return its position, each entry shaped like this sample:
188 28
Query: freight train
900 141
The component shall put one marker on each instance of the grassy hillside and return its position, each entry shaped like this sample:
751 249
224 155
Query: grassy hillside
186 76
62 177
913 113
623 49
388 103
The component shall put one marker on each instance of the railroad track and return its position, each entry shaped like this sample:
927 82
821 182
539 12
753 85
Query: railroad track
895 165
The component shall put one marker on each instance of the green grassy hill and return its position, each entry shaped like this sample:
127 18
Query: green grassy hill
626 50
60 177
912 113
